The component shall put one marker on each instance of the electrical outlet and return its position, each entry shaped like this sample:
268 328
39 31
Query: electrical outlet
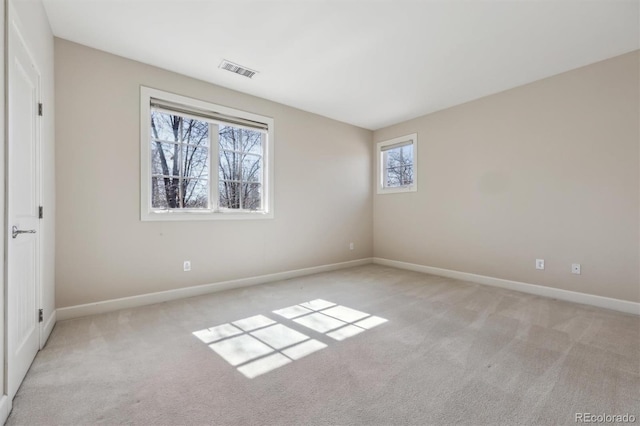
575 268
539 263
186 266
351 246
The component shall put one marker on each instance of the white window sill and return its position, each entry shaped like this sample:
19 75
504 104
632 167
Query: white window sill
159 216
397 190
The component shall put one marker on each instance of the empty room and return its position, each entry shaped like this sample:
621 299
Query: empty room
320 212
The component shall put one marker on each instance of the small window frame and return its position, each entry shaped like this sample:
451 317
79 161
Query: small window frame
147 213
411 139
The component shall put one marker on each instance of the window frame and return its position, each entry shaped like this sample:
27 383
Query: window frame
411 139
148 213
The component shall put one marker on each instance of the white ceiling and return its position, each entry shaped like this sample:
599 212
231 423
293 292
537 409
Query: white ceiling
368 63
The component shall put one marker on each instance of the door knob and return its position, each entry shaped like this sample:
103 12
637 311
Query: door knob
15 231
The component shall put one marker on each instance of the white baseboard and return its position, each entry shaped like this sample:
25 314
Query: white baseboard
181 293
5 408
538 290
47 329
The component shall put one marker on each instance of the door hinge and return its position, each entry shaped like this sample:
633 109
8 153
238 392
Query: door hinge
40 315
40 109
40 212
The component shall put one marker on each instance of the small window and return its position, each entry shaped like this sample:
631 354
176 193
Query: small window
203 161
397 166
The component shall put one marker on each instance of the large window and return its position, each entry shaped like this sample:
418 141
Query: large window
203 161
397 166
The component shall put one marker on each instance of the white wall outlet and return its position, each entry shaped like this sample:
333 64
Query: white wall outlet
351 246
539 263
187 265
575 268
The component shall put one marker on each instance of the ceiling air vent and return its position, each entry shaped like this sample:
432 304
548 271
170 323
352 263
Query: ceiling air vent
238 69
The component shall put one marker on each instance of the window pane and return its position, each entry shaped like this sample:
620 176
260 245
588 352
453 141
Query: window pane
229 194
238 139
164 126
407 154
164 193
251 196
196 193
236 166
195 162
229 138
398 165
392 158
164 159
252 168
195 132
158 195
252 141
392 178
229 165
407 175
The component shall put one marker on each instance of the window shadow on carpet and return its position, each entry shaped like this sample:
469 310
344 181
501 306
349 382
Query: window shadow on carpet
257 345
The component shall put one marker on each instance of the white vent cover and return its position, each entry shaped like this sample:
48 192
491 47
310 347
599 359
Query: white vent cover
238 69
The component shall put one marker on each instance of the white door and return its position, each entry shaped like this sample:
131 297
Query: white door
22 212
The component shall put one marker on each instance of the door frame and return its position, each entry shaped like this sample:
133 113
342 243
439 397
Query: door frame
5 402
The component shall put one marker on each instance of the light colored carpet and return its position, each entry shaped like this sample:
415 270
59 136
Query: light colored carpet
450 352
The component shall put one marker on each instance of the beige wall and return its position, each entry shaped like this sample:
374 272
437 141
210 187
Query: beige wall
547 170
323 195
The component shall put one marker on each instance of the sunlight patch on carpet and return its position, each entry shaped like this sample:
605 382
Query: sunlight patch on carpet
257 345
336 321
